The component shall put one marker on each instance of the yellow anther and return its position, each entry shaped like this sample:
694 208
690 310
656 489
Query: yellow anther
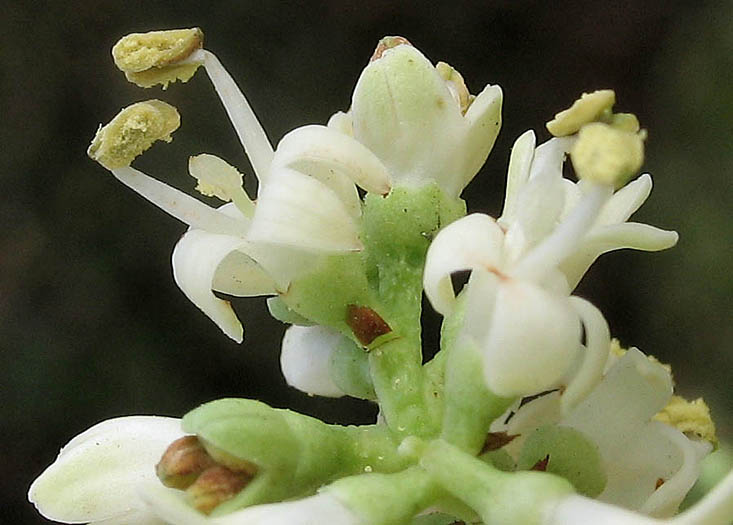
607 155
624 122
690 417
590 107
456 84
133 131
158 57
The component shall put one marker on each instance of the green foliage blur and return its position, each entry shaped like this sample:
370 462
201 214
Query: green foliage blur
92 325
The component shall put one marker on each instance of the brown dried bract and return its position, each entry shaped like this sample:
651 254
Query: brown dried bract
541 465
496 440
366 324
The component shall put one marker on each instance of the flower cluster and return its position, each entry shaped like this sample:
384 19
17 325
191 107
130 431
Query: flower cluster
528 413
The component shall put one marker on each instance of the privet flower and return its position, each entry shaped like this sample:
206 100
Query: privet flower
526 263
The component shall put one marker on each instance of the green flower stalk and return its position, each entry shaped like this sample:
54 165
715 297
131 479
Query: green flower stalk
529 412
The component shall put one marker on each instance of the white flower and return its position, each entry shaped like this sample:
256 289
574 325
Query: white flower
308 205
525 265
96 476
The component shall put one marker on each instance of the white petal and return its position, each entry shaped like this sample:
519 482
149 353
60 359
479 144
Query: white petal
604 239
550 156
313 510
180 205
665 500
325 153
598 344
626 201
96 474
612 415
484 122
579 510
538 207
342 122
298 211
715 508
196 257
306 359
534 337
471 242
520 162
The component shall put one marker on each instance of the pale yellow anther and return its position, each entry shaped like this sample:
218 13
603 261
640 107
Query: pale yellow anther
689 417
590 107
158 57
607 155
133 131
624 122
456 84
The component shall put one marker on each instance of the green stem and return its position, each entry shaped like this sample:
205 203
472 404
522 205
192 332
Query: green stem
498 497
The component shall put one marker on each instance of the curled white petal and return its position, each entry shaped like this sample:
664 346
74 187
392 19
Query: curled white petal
604 239
96 475
305 359
298 211
598 343
196 257
550 156
520 162
533 339
471 242
626 201
326 153
313 510
665 500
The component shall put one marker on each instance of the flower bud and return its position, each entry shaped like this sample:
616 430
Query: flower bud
133 131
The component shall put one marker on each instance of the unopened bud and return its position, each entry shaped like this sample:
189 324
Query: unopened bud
183 461
607 155
388 42
133 131
590 107
158 57
215 486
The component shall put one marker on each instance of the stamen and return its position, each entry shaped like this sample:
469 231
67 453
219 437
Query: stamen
180 205
159 57
566 237
598 345
248 128
133 131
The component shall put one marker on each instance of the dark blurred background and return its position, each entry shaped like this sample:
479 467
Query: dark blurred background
92 325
